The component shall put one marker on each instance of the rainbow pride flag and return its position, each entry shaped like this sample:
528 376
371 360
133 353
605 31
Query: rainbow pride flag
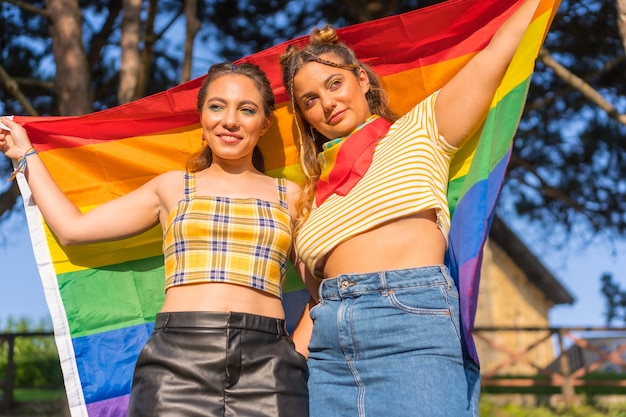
103 297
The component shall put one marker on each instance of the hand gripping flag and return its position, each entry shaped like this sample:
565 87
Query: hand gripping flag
103 297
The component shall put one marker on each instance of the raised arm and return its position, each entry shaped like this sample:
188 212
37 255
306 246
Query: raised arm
464 101
119 218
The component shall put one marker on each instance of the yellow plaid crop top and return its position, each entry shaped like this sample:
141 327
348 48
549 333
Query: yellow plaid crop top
242 241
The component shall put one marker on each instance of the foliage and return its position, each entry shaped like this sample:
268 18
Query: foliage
489 408
569 165
36 358
568 169
567 175
615 298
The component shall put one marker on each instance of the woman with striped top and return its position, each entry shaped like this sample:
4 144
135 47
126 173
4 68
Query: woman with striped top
383 329
219 346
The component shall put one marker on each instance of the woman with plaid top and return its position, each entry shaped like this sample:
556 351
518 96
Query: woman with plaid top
219 345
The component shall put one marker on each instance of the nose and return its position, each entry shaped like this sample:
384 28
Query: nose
229 119
328 102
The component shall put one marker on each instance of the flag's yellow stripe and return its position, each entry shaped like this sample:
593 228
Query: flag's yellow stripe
96 255
90 184
522 67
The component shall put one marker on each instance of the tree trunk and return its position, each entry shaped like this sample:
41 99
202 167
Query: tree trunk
130 60
8 198
193 26
621 20
72 77
149 38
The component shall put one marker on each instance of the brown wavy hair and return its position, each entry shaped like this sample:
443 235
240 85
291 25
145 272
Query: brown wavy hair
204 157
324 42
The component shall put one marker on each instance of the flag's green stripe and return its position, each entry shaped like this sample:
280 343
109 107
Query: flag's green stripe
293 282
112 297
493 144
122 295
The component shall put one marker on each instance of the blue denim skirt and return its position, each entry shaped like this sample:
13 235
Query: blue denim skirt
389 344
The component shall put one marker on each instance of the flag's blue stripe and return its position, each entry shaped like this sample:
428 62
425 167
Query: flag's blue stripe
469 230
106 361
106 370
472 216
293 303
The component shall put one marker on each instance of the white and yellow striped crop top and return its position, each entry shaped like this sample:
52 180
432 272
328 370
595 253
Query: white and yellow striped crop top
408 174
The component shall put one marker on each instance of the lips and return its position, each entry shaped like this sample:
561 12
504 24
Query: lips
229 137
335 117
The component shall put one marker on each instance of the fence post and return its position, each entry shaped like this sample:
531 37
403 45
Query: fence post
567 388
7 397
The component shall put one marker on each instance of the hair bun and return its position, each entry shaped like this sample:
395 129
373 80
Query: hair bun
288 55
325 35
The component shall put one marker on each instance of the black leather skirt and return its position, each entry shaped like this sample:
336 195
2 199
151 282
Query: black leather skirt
199 364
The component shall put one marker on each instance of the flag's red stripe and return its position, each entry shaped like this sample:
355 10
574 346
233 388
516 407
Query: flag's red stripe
385 49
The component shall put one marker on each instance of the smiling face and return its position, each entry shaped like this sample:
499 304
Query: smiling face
331 99
233 118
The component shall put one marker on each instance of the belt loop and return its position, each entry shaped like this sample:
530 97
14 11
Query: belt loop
446 274
382 278
166 321
229 319
320 292
278 330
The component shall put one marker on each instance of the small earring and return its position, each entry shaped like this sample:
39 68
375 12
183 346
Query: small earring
203 142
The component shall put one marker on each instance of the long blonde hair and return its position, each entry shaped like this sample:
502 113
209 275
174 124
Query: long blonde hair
309 142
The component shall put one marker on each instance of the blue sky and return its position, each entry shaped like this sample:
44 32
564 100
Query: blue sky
577 269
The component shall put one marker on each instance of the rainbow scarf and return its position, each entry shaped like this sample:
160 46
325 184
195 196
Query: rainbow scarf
103 297
344 161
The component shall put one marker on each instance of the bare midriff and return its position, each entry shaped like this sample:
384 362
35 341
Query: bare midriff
409 242
222 297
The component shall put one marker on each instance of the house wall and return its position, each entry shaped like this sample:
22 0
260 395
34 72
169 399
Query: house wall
507 299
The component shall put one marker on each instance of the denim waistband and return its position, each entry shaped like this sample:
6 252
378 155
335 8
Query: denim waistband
220 320
351 285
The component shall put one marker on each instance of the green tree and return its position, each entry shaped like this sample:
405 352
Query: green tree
615 297
567 170
36 358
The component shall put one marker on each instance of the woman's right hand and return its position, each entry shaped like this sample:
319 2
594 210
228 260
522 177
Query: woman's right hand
14 143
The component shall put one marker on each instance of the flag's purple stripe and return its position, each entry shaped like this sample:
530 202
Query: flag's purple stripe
106 361
112 407
469 291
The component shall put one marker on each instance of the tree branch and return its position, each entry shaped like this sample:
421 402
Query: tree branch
14 89
31 82
29 8
546 189
578 83
8 199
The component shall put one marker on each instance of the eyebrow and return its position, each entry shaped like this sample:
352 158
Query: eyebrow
305 95
240 103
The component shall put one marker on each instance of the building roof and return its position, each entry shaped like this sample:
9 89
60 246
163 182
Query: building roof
536 272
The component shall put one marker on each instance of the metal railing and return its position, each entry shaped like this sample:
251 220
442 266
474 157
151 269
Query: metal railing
578 358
